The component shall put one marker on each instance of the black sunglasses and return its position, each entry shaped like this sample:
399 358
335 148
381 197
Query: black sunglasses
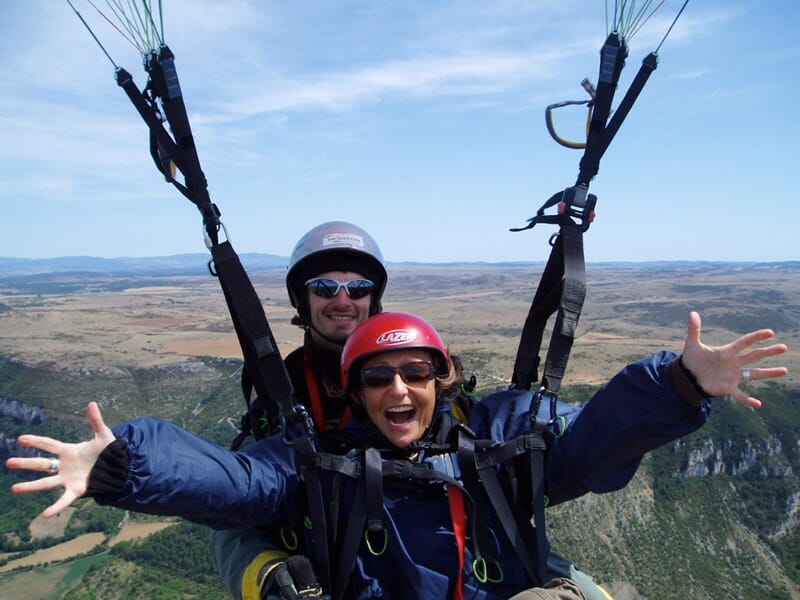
325 287
410 372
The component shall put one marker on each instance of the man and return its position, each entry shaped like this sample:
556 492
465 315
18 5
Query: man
335 280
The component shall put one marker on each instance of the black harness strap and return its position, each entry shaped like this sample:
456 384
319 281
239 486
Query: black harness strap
264 364
492 454
351 541
162 146
373 479
649 64
511 525
264 368
163 83
483 545
318 551
562 288
338 464
612 60
537 466
534 446
366 515
573 293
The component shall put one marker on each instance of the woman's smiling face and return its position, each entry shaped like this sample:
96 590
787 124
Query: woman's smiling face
402 410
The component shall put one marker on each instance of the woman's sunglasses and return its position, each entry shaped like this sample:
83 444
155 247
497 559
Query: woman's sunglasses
325 287
412 373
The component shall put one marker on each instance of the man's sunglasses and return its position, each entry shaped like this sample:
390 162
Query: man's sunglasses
325 287
411 373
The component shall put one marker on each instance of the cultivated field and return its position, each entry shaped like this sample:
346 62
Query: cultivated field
630 311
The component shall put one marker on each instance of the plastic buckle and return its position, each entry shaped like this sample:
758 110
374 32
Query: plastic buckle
577 203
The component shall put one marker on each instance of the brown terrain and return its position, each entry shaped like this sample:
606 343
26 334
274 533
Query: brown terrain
480 309
82 544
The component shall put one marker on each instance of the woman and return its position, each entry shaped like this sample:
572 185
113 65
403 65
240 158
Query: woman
419 542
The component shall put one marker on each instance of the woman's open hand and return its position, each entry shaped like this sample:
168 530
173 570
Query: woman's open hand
71 468
720 370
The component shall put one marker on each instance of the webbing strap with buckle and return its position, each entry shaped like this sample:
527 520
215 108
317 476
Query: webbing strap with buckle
533 446
562 289
318 551
481 534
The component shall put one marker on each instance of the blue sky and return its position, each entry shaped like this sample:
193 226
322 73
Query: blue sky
421 121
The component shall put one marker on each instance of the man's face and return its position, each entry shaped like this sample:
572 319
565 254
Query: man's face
337 317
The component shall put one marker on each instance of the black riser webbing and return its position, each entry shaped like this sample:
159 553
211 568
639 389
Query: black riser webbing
265 367
561 289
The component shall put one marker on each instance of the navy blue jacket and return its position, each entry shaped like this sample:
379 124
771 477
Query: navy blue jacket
172 472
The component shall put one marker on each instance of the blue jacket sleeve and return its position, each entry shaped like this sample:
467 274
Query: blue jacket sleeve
637 411
172 472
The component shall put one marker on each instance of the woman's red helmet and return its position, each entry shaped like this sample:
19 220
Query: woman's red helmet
387 332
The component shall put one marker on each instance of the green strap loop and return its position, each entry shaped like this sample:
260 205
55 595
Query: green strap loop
479 568
369 543
562 425
500 574
481 571
290 545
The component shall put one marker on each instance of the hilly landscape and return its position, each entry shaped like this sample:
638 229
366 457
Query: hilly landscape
713 516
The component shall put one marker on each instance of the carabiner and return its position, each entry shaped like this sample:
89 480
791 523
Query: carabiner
548 119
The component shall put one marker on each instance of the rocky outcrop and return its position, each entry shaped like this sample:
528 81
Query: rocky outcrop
16 410
21 412
792 519
9 447
764 459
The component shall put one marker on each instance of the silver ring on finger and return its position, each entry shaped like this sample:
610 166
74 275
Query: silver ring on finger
55 464
747 374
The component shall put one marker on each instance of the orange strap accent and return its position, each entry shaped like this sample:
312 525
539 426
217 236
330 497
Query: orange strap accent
456 499
345 417
316 403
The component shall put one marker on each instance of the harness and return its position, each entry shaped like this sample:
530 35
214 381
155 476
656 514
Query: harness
478 477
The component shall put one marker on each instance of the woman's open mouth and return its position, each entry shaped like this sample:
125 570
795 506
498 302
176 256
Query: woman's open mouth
400 415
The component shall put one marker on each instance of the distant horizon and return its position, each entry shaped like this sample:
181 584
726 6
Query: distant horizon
193 255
